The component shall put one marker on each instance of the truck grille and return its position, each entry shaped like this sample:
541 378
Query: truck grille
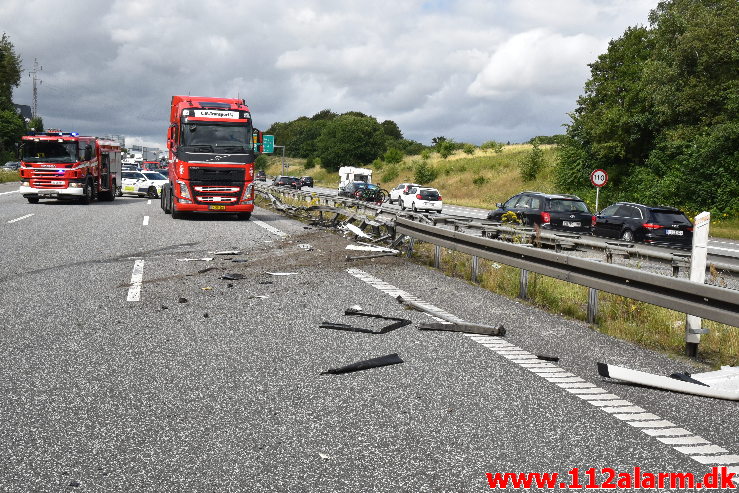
45 178
217 185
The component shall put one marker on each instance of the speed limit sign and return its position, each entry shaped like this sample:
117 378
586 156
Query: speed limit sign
599 177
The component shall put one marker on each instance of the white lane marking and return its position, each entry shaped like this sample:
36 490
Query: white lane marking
134 292
269 228
701 449
148 202
12 191
19 218
650 424
734 250
146 221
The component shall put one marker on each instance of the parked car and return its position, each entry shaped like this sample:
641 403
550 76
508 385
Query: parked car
12 166
352 189
288 181
419 198
549 211
307 181
396 192
142 183
637 222
261 175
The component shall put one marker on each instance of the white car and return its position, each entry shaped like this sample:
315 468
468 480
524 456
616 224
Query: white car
142 183
397 192
420 198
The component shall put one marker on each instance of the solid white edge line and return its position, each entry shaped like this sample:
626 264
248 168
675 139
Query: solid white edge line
269 228
134 291
652 425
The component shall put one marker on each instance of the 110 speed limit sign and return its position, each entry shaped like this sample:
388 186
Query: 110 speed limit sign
599 177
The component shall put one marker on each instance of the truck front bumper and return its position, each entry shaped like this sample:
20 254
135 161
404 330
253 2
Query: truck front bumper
51 192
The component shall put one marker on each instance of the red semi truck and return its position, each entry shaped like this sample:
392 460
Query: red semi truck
211 157
66 165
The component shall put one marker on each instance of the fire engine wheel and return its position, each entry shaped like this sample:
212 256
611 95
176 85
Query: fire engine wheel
175 213
32 200
86 193
152 192
164 201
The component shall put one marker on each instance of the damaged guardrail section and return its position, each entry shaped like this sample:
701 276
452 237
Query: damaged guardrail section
705 301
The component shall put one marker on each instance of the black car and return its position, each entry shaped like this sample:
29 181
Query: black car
548 211
288 181
353 189
637 222
261 175
307 181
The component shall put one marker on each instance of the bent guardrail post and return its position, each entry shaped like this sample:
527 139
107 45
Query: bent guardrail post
437 257
474 268
592 306
523 284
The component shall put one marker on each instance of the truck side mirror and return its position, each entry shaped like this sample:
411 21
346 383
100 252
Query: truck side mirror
88 153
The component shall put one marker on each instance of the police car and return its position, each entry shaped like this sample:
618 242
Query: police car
142 183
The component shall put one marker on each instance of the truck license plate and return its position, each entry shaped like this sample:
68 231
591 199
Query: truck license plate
571 224
57 183
216 207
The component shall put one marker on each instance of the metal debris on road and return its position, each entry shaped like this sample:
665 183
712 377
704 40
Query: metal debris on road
719 384
354 312
464 327
353 229
371 248
306 246
390 359
204 259
227 252
281 273
233 277
207 288
258 296
182 300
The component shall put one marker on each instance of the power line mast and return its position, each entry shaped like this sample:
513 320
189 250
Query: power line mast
36 82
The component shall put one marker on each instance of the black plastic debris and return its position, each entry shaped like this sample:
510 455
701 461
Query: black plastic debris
239 260
469 328
545 357
354 312
207 269
390 359
686 377
233 277
182 300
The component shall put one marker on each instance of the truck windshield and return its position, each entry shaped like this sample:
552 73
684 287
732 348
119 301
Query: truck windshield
50 152
216 138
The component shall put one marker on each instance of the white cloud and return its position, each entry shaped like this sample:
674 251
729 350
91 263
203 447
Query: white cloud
470 70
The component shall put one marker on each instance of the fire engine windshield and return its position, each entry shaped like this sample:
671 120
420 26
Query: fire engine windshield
216 138
47 151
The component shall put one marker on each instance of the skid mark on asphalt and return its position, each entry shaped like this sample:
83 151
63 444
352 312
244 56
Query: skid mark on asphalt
269 228
682 440
134 292
19 218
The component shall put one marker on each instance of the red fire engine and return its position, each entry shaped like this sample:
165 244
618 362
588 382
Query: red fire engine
67 166
211 158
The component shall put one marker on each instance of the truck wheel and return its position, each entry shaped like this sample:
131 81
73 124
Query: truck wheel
86 193
119 191
164 201
175 213
32 200
244 216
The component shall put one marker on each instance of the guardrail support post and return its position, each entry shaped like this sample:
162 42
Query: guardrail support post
698 260
475 268
411 242
437 256
523 285
592 305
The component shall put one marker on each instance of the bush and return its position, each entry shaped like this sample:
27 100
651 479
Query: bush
494 146
468 149
425 154
378 164
310 162
393 156
424 173
261 162
391 173
532 163
479 181
445 148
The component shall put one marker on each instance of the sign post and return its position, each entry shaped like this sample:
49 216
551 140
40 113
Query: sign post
598 178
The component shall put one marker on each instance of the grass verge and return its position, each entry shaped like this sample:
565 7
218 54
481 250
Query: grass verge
9 176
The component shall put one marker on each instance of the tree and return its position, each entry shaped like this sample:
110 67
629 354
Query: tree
424 174
350 140
445 148
661 109
532 163
393 156
392 129
12 128
37 124
10 72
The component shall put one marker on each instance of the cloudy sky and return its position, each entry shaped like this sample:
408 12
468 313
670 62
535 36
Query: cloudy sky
470 70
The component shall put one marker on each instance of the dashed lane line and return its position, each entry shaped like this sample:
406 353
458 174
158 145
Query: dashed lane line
146 221
269 228
19 218
682 440
137 276
148 202
12 191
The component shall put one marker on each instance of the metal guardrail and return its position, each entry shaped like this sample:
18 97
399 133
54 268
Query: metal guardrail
702 300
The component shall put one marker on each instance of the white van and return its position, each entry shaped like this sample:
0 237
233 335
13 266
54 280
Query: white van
349 174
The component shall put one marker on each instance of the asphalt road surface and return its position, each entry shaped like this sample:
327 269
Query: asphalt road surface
125 368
